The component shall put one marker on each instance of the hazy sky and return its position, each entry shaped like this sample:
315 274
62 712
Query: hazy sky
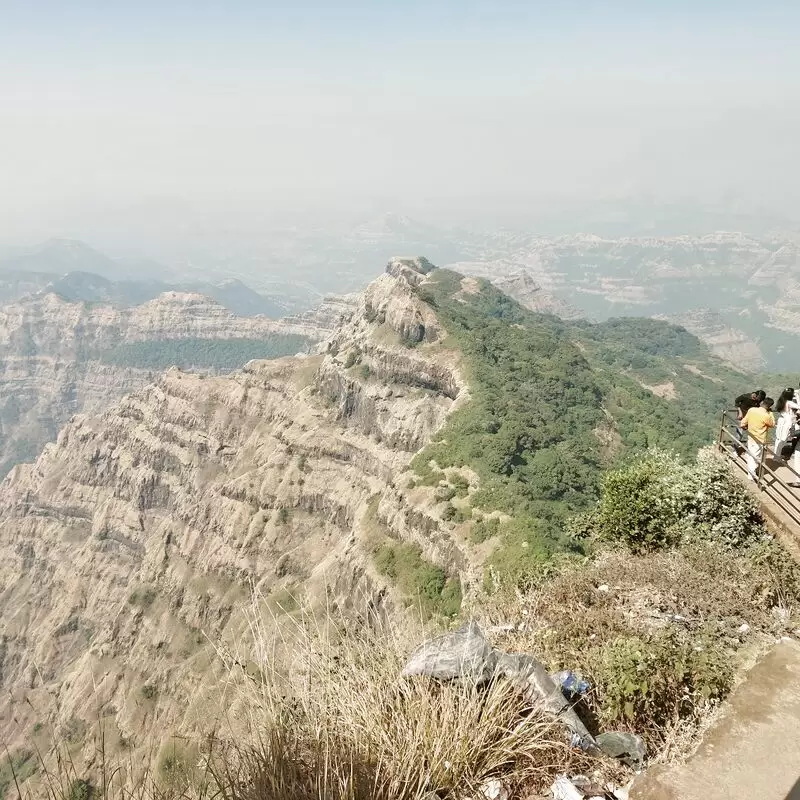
112 113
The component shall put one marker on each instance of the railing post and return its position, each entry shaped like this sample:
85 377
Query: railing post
721 439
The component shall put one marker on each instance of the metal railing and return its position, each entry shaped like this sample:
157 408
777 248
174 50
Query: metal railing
776 478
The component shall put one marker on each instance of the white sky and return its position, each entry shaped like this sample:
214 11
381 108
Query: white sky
109 120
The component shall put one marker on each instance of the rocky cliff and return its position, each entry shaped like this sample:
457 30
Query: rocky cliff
131 542
730 344
54 355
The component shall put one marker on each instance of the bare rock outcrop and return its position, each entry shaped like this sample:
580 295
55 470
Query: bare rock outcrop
51 368
135 538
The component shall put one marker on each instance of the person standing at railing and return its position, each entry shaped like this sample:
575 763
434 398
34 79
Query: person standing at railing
757 422
786 408
743 403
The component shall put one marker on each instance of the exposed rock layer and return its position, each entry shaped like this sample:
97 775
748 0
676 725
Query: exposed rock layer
49 369
136 534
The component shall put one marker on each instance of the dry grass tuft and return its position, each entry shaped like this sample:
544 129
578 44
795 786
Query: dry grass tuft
344 726
318 711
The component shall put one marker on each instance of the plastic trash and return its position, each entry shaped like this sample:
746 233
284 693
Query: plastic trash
464 653
572 684
589 790
493 789
564 789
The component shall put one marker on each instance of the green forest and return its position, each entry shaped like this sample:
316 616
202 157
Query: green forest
541 390
220 355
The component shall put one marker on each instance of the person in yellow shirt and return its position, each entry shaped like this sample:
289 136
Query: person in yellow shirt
757 422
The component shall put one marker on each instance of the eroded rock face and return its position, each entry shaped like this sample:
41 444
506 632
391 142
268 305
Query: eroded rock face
49 369
134 539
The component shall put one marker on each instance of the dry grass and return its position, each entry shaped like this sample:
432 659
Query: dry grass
318 712
343 726
667 620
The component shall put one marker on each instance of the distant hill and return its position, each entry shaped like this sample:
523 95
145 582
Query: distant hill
78 273
234 295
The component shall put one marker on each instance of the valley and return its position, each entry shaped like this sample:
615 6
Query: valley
441 438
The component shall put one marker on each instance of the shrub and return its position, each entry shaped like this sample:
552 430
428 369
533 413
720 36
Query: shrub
283 516
80 789
143 597
426 583
721 508
149 691
445 493
633 510
657 501
484 529
353 357
652 683
460 484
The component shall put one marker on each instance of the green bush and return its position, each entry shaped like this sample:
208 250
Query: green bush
720 507
460 484
658 500
652 683
484 529
632 510
449 513
353 357
444 493
80 789
149 691
144 597
424 582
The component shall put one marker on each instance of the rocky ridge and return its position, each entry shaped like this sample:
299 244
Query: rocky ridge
50 367
135 536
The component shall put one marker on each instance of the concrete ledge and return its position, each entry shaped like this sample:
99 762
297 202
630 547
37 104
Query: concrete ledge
752 750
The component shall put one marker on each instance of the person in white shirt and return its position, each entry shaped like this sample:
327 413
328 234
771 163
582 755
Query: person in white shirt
786 408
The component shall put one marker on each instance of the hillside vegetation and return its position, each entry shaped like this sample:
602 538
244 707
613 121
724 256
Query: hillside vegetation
221 355
554 403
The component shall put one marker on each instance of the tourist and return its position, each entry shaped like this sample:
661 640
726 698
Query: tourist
786 408
757 422
743 403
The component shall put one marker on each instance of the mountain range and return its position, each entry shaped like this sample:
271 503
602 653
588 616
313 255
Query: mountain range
442 428
79 343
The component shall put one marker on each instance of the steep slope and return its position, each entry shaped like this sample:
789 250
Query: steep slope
140 528
59 358
443 426
726 342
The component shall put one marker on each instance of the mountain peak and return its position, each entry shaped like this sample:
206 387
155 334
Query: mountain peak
411 268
